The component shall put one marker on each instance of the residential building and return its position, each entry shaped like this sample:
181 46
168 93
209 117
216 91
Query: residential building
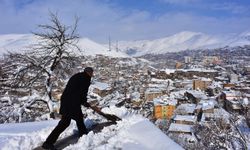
163 111
201 84
185 119
180 128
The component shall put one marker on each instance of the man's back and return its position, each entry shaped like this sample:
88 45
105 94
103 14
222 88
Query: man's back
75 93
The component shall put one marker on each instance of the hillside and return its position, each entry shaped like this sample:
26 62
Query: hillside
22 42
175 43
182 41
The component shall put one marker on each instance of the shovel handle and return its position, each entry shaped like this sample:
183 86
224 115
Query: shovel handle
113 118
97 109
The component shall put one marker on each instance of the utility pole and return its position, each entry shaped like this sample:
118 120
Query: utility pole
109 44
117 46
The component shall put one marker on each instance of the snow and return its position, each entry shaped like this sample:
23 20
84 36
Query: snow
153 90
177 42
198 94
24 135
133 132
165 81
198 70
188 118
183 41
92 48
207 105
245 101
187 108
218 113
151 138
206 79
21 42
231 95
165 100
174 127
101 85
21 128
169 71
139 135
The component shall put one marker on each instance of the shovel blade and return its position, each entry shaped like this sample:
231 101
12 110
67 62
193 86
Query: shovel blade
112 118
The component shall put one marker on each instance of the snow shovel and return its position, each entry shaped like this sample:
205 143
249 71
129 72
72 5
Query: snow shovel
110 117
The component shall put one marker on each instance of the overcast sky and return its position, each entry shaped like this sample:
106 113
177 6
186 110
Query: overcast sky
129 19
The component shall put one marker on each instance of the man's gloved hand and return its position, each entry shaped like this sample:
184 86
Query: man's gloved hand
86 104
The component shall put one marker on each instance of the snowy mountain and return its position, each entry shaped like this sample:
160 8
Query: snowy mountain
20 42
177 42
89 47
15 42
182 41
241 39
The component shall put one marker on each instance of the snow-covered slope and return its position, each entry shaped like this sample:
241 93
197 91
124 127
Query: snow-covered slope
241 39
20 42
15 42
133 132
177 42
183 41
89 47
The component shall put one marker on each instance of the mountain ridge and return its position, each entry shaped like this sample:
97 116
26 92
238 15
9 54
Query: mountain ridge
186 40
183 41
22 42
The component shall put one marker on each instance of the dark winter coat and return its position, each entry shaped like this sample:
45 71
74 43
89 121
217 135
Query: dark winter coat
75 95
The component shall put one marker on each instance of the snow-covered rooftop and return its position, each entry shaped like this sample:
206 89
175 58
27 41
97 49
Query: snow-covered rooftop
165 100
188 108
168 71
198 94
198 70
174 127
188 118
100 85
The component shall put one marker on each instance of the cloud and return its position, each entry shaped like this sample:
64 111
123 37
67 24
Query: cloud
99 20
231 7
188 21
180 1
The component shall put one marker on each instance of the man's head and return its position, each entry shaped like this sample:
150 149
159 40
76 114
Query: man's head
89 71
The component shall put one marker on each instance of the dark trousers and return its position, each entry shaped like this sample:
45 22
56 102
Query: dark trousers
62 125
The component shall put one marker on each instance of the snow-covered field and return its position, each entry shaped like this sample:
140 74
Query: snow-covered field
134 132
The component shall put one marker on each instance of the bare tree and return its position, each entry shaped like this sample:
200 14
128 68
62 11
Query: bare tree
248 118
57 43
48 61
